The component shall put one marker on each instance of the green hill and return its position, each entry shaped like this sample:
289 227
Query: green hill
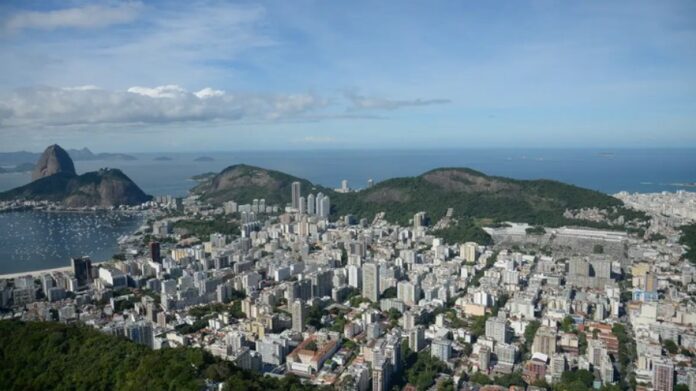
53 356
103 188
472 194
242 183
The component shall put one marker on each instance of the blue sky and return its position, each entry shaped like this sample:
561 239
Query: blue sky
159 76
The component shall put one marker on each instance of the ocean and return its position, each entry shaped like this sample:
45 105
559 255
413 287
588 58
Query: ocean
609 171
34 240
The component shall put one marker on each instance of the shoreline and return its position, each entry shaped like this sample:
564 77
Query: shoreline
39 272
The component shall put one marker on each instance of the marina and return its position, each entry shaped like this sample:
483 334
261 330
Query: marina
39 240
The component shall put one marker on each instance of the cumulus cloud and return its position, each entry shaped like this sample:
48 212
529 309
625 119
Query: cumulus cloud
49 106
85 17
360 102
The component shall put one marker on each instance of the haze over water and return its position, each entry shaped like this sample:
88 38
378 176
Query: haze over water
609 171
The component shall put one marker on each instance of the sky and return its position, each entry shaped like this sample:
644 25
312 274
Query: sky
147 76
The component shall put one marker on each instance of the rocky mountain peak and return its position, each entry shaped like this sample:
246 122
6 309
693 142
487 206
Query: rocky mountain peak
53 160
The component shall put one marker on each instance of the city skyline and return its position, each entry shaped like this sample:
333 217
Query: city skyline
155 76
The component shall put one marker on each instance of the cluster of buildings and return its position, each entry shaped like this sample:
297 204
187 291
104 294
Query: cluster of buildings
338 302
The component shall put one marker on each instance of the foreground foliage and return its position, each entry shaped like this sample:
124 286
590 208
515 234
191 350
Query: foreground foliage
40 356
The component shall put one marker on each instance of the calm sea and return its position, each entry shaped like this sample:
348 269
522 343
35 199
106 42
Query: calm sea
36 240
610 171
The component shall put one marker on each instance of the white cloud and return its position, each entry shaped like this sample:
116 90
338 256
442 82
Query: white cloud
360 102
87 105
86 17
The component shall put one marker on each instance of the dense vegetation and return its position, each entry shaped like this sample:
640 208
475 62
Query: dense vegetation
202 229
39 356
688 239
464 230
423 369
471 194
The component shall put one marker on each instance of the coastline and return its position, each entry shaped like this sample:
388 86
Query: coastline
35 273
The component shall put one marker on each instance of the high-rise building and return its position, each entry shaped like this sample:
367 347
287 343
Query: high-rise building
392 348
663 375
497 329
484 358
441 349
408 292
155 252
318 200
650 282
416 339
468 251
296 191
299 316
321 283
544 341
47 283
420 219
506 353
381 374
325 209
311 205
139 332
302 206
370 281
354 276
344 186
370 183
82 267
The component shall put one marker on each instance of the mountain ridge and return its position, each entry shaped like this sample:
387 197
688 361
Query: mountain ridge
471 193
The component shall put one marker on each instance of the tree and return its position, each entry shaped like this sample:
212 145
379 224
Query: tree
389 293
79 357
529 333
670 346
582 343
568 324
582 376
480 378
446 385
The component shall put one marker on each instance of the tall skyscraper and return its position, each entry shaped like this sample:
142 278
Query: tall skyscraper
468 251
82 267
321 283
299 316
381 374
311 204
302 206
419 219
296 191
416 338
370 183
370 281
324 207
155 252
